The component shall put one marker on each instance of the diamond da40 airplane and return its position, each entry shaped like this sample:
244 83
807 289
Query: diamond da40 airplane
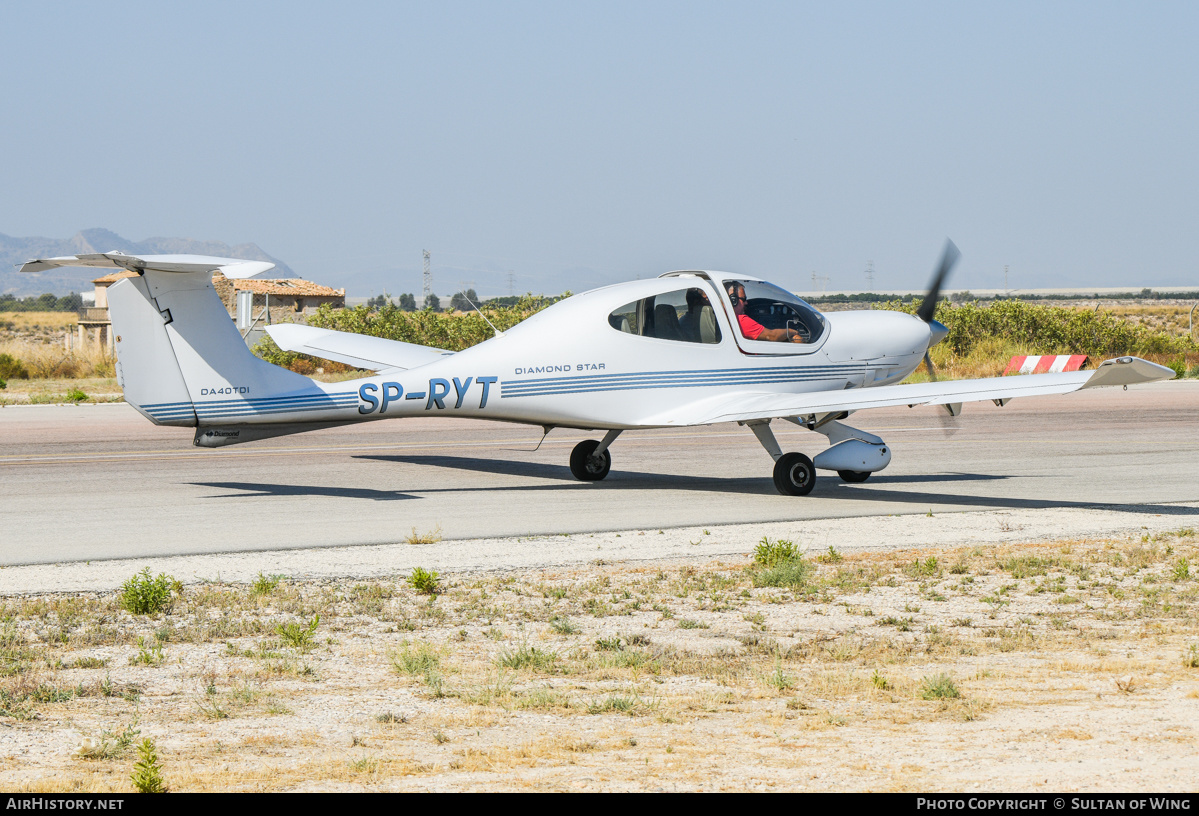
687 348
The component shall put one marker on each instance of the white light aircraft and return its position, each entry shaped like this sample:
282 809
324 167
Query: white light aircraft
687 348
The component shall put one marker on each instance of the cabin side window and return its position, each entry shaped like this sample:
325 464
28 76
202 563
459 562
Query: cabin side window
684 315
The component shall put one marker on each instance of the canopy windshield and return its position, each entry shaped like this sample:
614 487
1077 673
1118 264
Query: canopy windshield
776 308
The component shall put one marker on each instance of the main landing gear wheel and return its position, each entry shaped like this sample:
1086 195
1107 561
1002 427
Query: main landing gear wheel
794 474
853 476
585 465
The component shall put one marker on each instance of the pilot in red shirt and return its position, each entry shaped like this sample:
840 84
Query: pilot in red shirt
752 329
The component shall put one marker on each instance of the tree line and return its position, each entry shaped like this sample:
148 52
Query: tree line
41 303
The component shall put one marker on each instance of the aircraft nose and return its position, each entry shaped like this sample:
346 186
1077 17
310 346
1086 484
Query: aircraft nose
937 331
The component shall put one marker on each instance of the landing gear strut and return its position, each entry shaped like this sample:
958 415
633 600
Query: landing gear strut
795 474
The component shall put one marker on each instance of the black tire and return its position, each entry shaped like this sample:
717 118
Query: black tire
854 476
794 474
587 467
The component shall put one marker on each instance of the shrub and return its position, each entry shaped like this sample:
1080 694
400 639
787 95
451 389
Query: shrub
1049 329
417 660
563 626
527 657
939 687
425 327
425 581
1178 366
265 584
768 553
147 773
779 564
297 636
143 595
1182 569
12 369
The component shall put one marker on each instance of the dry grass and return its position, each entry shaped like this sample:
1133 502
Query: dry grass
37 321
58 390
1171 319
49 360
880 670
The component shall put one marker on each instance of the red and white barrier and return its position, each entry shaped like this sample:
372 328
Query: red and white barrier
1045 364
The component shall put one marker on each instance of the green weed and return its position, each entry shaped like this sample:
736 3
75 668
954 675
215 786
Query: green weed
1182 569
830 557
265 584
424 581
528 657
148 654
143 595
415 660
562 625
939 687
147 773
297 636
769 553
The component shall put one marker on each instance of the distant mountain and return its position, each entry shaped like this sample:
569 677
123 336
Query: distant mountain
15 251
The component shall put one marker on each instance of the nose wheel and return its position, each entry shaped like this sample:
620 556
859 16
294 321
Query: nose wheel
588 466
853 476
794 474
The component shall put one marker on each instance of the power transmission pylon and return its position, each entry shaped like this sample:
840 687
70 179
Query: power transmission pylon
427 280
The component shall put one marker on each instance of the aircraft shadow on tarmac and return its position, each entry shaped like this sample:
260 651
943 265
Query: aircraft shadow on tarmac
254 490
828 488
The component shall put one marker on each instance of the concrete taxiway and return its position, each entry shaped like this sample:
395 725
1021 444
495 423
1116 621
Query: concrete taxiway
97 482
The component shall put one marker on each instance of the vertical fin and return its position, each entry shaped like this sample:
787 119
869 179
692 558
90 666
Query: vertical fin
146 366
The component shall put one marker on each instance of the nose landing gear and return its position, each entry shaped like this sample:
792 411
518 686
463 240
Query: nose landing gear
590 460
795 474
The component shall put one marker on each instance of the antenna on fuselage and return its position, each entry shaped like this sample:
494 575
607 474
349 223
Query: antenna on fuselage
498 333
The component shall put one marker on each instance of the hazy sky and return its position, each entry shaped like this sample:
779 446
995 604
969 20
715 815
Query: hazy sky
626 139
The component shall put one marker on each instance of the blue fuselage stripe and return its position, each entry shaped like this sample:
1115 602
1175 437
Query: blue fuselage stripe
676 379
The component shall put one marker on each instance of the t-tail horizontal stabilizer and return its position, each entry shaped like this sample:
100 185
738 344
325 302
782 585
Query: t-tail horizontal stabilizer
229 267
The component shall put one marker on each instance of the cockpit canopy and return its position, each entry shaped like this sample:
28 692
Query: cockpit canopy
701 307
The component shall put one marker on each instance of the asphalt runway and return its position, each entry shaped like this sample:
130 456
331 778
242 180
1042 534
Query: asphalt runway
96 482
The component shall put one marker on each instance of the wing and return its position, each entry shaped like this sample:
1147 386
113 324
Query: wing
230 267
358 350
745 406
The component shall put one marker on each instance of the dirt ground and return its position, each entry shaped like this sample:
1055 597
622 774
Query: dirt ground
1070 665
